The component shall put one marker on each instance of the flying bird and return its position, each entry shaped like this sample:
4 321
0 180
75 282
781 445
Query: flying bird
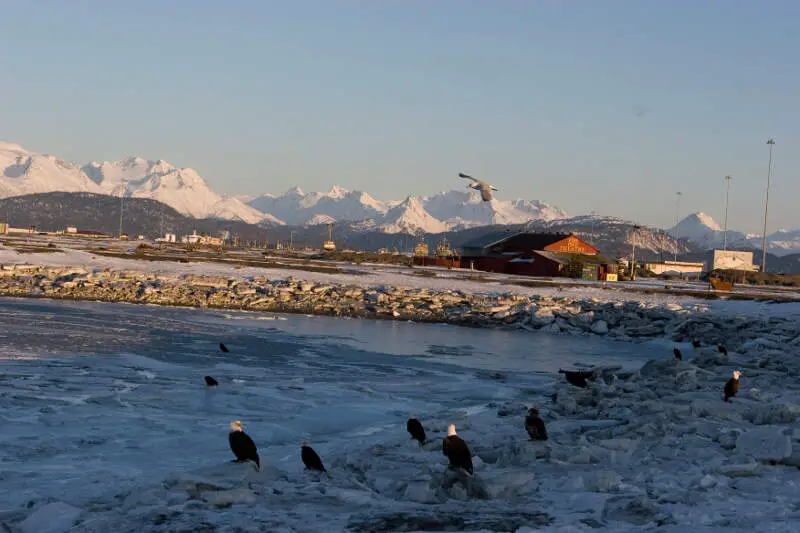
456 450
242 445
535 425
414 427
478 185
311 458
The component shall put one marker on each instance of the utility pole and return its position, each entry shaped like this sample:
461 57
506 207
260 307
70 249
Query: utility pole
121 198
727 194
771 143
633 252
677 211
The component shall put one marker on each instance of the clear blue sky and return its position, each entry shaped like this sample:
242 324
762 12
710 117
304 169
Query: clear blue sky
610 106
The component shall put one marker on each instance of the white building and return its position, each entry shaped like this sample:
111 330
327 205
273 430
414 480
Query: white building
676 268
168 237
733 260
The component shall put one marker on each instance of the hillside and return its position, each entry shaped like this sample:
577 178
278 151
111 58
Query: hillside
141 216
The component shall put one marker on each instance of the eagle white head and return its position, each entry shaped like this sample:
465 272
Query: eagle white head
736 374
451 430
236 425
533 410
304 443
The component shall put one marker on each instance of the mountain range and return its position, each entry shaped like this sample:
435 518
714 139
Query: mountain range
24 172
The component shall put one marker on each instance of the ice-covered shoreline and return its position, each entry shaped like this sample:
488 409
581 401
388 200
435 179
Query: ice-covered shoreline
571 315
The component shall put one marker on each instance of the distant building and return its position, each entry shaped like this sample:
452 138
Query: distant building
536 254
168 237
676 268
72 229
732 260
421 250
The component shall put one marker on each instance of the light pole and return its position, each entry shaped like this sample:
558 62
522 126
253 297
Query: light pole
291 240
771 143
677 211
121 198
727 195
633 252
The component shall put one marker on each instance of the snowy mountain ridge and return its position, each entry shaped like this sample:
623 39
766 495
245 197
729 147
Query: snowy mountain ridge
25 172
702 230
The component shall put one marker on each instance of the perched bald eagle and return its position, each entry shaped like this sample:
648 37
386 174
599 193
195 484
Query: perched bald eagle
678 354
416 430
535 425
457 450
211 382
732 385
242 445
310 457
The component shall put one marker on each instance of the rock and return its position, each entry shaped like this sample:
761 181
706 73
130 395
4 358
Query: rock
600 327
226 498
708 481
766 443
56 517
635 510
739 470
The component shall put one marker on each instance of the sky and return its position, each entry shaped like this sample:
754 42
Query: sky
610 106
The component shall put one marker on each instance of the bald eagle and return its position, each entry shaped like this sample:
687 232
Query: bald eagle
310 457
535 425
732 385
416 430
457 450
242 445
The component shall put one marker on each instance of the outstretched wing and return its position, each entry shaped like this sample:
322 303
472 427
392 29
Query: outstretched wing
466 176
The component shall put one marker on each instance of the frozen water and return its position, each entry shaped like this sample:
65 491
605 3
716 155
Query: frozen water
108 426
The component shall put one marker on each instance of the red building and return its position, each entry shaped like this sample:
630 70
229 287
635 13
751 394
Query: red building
535 254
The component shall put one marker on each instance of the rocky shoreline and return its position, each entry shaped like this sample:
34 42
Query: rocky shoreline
557 315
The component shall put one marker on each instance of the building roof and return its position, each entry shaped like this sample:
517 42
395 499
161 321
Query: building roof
566 257
489 239
532 241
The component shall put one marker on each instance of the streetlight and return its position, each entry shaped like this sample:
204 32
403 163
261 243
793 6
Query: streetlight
677 211
633 252
771 143
121 197
291 240
727 194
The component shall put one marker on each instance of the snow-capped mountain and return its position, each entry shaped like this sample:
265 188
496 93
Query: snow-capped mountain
467 209
297 207
411 217
703 231
782 242
25 172
180 188
428 214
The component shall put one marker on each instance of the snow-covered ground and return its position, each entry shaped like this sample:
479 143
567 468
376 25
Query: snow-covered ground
104 410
